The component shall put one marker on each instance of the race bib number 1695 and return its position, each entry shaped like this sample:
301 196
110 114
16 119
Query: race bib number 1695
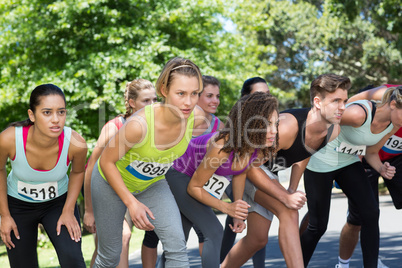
148 170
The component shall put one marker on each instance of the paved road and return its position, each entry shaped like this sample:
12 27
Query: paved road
327 249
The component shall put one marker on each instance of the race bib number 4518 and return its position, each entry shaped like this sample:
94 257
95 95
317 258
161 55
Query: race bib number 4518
216 185
38 192
148 170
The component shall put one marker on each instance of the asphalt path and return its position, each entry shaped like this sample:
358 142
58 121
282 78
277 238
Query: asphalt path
326 253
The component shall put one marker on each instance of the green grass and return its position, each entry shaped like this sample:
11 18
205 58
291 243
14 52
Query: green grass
48 258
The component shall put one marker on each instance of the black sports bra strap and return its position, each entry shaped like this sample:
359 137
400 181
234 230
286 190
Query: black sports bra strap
364 112
373 110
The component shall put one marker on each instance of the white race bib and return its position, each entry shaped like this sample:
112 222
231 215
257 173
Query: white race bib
148 170
39 192
394 144
216 185
347 148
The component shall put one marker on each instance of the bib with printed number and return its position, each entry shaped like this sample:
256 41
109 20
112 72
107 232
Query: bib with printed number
347 148
39 192
216 185
393 145
147 170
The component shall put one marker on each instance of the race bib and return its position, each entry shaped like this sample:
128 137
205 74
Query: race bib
394 144
148 170
347 148
38 192
216 185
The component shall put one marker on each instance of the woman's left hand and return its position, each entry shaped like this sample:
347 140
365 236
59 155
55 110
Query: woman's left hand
238 225
387 171
238 209
73 227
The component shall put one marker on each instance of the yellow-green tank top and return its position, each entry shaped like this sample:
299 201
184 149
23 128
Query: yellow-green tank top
144 164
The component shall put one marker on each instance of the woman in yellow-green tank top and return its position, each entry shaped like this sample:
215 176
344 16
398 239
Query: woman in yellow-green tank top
144 164
131 169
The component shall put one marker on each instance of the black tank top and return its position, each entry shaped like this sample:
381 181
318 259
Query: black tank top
297 152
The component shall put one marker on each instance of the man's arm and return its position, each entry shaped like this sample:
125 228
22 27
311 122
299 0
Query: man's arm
296 173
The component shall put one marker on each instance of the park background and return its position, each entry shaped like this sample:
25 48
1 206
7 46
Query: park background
92 48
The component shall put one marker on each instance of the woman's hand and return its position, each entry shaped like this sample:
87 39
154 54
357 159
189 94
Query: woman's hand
295 200
73 227
387 171
89 222
8 225
138 213
238 209
238 225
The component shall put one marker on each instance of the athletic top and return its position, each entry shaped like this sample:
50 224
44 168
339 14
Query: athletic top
144 164
393 147
298 151
118 121
213 127
350 143
31 185
191 159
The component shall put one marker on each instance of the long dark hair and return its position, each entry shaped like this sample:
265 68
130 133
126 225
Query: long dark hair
246 127
34 100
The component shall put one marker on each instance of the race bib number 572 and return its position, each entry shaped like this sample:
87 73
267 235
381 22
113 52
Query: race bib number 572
38 192
216 185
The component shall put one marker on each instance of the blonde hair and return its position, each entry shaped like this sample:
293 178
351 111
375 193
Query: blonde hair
177 66
132 92
392 93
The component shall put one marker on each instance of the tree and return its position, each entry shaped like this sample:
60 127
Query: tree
306 38
91 48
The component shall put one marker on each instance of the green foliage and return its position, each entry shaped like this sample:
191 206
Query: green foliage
92 48
304 39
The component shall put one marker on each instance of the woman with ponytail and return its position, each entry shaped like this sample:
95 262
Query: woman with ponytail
130 173
38 189
138 94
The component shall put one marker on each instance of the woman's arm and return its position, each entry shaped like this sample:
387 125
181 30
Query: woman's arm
209 164
354 116
296 174
108 131
385 169
273 188
7 224
371 94
130 134
77 154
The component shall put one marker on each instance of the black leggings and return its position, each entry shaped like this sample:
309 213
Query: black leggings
354 183
394 187
27 216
